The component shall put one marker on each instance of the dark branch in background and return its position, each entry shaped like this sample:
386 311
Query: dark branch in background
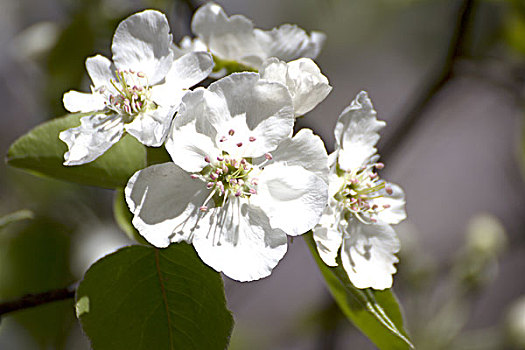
442 75
32 300
192 6
403 129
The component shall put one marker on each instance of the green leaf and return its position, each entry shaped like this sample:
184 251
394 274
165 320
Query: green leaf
376 313
147 298
123 217
40 151
34 258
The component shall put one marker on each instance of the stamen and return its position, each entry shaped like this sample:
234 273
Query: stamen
251 139
231 132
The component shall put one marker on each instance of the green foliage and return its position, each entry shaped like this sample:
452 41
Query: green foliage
515 32
34 258
64 62
41 151
376 313
123 217
230 66
146 298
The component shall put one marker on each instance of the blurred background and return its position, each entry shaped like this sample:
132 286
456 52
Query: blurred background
448 76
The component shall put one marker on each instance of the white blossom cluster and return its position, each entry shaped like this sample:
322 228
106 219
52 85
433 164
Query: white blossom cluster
239 181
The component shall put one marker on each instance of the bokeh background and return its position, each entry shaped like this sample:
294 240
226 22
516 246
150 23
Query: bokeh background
448 77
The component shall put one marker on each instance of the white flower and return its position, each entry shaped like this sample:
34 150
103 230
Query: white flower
239 183
138 93
361 206
304 80
235 39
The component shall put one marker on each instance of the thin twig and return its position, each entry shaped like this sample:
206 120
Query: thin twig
32 300
442 75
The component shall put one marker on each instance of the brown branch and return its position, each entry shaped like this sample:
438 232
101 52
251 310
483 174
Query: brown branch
32 300
439 78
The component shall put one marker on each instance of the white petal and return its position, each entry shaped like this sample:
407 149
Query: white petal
307 85
306 150
289 42
190 69
82 102
185 72
165 202
230 38
151 127
395 202
356 133
368 255
142 43
257 109
274 69
310 85
188 44
292 197
168 96
95 135
100 70
188 143
238 241
327 237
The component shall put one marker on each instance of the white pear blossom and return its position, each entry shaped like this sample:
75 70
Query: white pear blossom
235 38
137 93
239 183
304 80
361 206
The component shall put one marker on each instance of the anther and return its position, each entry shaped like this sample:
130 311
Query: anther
231 132
141 74
379 165
194 176
253 191
239 144
207 159
389 190
251 139
238 193
386 206
203 208
268 156
210 185
222 139
220 159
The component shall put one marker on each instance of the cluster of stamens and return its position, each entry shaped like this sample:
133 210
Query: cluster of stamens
228 176
360 188
131 95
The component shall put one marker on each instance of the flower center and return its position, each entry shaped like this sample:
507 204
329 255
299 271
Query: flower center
227 176
131 93
361 187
